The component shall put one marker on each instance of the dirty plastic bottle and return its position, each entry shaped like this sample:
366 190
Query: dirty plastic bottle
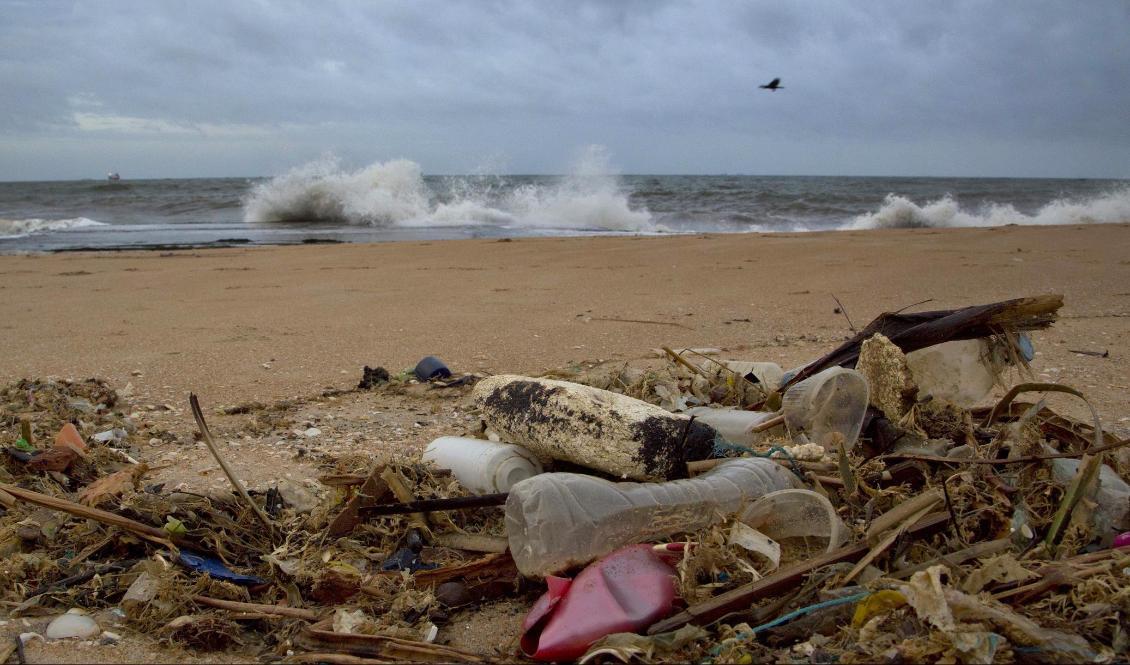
558 520
483 466
734 426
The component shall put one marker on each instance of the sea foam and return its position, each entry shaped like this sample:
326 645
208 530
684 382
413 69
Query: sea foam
18 228
900 212
394 193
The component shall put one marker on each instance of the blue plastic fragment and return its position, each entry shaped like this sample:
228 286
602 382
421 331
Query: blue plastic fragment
215 568
1026 349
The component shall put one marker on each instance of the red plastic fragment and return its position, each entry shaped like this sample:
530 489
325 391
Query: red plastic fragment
625 591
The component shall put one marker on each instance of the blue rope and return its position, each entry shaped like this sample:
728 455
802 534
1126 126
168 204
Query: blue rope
785 618
722 446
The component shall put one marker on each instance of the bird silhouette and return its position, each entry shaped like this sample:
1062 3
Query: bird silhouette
773 85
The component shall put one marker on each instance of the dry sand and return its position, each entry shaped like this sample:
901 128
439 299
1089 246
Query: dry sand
275 323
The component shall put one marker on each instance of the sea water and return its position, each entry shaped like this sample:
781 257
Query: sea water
325 201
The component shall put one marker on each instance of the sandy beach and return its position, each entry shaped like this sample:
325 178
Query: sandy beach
272 322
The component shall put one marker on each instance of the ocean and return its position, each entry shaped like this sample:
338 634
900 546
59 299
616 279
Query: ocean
325 202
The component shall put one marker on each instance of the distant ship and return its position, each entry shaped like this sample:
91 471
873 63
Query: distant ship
113 176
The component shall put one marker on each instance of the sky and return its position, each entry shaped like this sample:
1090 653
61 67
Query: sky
253 88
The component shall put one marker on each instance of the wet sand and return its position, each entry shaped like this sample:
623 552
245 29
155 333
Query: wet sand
267 323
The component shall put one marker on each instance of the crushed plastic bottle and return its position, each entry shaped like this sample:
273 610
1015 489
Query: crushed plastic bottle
558 520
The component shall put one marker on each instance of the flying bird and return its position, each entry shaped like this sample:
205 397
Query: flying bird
773 85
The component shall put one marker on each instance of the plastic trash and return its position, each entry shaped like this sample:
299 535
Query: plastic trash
215 569
558 520
796 513
1122 540
431 367
408 557
626 591
73 624
734 426
834 400
959 372
619 435
1111 515
483 466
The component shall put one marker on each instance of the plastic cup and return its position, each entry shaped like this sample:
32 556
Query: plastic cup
796 513
834 400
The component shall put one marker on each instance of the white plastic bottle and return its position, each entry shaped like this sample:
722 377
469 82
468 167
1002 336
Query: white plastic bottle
735 426
558 520
483 466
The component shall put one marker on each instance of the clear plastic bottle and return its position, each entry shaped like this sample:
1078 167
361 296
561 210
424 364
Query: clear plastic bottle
558 520
735 426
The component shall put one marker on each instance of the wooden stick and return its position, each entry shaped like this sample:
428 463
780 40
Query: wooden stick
399 486
203 426
987 548
679 360
778 419
150 533
236 606
436 505
782 580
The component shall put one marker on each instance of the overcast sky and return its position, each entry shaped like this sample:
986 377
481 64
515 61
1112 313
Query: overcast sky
218 88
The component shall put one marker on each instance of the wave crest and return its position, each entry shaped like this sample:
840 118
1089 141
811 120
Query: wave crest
18 228
899 212
395 194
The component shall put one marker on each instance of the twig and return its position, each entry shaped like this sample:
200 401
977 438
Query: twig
207 435
683 361
150 533
436 505
1097 354
953 559
8 649
843 310
236 606
657 323
1014 460
778 419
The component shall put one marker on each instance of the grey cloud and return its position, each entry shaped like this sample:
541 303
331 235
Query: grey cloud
667 85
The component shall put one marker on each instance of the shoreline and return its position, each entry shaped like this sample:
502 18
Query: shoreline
271 322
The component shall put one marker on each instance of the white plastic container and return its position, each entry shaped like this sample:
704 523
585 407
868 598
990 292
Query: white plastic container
766 374
558 520
734 426
959 372
834 400
483 466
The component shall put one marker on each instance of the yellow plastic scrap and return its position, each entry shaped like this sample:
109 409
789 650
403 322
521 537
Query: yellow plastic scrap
877 603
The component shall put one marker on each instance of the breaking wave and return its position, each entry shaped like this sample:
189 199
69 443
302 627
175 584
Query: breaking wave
394 193
17 228
898 212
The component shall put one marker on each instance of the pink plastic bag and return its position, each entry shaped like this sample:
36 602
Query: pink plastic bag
625 591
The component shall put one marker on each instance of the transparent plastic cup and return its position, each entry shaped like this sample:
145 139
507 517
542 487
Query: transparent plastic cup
834 400
796 513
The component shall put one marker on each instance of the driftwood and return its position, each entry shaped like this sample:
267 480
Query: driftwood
259 608
911 332
150 533
320 637
373 489
435 505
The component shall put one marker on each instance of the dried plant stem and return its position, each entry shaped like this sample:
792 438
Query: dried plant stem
207 435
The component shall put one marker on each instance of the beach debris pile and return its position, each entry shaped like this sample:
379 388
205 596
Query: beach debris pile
871 505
